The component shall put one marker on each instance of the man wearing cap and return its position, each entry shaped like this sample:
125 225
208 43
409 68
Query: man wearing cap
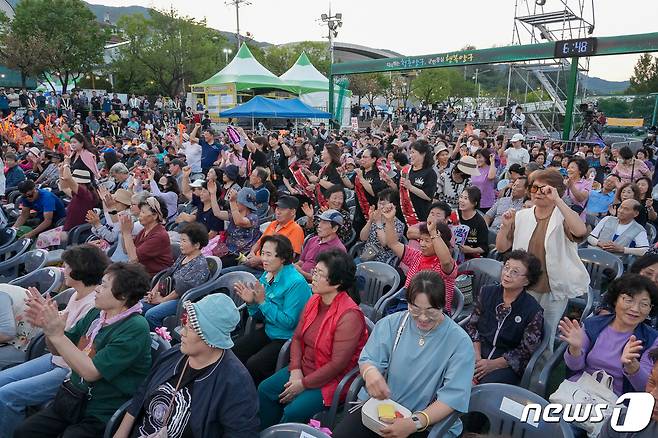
49 208
327 238
215 393
285 225
517 154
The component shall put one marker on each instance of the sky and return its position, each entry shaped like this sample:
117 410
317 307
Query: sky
412 27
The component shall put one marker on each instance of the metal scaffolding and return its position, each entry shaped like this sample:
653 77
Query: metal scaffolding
539 21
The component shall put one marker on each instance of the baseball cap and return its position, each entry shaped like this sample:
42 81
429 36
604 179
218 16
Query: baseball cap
288 202
332 216
198 183
518 137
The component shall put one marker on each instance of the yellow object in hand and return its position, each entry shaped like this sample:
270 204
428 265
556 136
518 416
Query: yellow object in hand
386 412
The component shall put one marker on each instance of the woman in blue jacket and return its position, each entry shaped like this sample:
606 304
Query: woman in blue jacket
197 389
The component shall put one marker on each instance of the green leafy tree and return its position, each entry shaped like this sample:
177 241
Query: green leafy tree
645 75
72 40
369 85
166 52
278 59
28 55
442 84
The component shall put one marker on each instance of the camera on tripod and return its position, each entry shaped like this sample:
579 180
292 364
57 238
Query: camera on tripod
588 111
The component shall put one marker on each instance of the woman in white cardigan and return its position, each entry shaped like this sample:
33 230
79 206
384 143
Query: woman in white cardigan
550 230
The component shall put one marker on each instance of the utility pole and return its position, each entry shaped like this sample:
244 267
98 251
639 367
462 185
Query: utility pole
333 22
237 4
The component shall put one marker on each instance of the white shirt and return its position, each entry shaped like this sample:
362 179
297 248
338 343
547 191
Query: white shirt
641 240
517 156
192 153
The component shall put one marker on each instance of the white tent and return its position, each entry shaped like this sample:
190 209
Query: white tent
313 88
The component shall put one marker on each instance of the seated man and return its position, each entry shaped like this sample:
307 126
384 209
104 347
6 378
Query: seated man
439 212
600 200
326 239
621 234
285 225
494 216
257 180
49 209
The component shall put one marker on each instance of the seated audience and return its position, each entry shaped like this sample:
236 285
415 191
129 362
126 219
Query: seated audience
197 192
621 234
428 362
49 209
440 212
329 222
326 345
15 331
283 225
214 393
599 201
151 246
35 382
578 186
166 188
335 201
257 179
108 350
434 253
629 191
374 234
617 343
13 172
494 216
477 241
188 271
276 301
506 325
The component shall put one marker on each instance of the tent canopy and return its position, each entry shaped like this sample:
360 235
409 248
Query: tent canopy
305 76
261 106
246 73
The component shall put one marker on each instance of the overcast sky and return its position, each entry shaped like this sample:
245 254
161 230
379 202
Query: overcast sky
411 27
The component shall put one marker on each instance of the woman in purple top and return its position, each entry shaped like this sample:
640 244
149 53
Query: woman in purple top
578 187
486 179
618 343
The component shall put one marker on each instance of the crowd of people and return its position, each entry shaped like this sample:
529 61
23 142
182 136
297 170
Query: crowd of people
300 210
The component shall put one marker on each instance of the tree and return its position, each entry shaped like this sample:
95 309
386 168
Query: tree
645 75
278 59
442 84
72 41
27 55
165 52
369 85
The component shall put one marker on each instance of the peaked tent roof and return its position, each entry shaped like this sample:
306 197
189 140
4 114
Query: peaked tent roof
245 72
261 106
305 76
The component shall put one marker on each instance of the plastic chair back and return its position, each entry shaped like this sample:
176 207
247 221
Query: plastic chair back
158 346
651 233
35 259
63 298
457 304
350 240
264 226
226 284
601 265
7 237
485 272
292 430
215 267
539 352
36 347
356 250
46 280
175 250
502 404
283 358
380 279
11 259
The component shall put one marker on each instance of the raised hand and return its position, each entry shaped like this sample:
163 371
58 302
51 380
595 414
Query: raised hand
93 218
212 187
630 355
187 171
573 334
307 209
508 217
388 212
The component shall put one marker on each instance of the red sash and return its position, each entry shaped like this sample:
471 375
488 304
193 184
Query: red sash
297 171
407 206
319 197
361 197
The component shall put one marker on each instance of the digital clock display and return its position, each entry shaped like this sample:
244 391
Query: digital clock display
574 48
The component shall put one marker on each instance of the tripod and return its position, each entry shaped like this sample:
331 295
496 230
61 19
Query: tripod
588 127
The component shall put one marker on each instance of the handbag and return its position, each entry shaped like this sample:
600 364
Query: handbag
166 286
71 402
162 432
589 389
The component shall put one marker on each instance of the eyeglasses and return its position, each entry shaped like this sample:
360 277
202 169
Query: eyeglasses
535 188
628 302
512 271
431 313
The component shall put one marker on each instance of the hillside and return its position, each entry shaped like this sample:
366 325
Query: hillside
602 86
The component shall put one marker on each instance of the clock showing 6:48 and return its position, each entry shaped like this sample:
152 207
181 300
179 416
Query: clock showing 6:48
575 48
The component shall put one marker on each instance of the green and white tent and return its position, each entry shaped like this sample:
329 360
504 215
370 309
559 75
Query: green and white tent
246 73
305 76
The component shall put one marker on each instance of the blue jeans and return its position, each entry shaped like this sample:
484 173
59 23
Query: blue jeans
31 383
156 313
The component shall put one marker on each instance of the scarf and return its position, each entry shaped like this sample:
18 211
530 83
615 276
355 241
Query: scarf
407 206
319 197
361 197
103 321
297 171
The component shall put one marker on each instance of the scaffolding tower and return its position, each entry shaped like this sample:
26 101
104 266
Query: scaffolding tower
539 21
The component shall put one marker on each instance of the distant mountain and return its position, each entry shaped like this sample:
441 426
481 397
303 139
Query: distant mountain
601 86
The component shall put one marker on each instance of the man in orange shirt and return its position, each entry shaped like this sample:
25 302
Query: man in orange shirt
285 225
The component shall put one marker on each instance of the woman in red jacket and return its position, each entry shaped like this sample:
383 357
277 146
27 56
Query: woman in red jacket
323 347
